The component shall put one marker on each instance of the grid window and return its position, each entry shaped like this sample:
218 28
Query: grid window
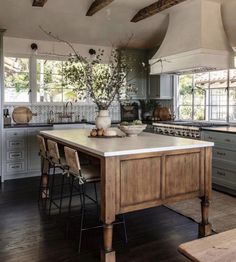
16 79
51 85
213 96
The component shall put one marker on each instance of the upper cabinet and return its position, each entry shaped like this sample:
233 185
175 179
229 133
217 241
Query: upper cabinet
138 76
160 86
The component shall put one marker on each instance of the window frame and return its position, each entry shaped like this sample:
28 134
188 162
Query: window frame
208 98
30 80
33 81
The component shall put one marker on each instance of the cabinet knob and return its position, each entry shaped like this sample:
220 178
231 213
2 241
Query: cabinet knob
221 173
220 153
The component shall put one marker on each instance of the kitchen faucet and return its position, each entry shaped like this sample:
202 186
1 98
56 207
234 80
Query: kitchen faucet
69 115
66 114
50 117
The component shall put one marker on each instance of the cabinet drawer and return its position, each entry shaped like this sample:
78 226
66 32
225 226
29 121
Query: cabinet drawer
209 136
15 134
224 154
15 167
226 139
15 155
12 144
224 177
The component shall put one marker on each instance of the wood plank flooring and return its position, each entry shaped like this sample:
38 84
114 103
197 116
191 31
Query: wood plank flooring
29 235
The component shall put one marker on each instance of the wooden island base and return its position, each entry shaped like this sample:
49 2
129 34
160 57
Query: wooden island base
137 182
131 182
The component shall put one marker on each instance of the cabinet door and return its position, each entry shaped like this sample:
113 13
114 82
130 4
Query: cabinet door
33 150
154 86
160 87
33 158
166 87
138 74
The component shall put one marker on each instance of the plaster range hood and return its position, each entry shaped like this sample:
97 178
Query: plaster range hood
195 40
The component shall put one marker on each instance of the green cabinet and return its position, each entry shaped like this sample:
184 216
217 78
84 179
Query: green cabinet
160 86
224 159
33 150
138 75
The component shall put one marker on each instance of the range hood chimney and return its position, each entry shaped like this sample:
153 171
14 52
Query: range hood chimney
195 40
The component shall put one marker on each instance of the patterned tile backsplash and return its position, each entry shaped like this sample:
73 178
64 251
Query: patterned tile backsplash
87 111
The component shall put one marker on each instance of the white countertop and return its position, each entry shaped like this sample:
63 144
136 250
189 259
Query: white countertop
223 129
144 143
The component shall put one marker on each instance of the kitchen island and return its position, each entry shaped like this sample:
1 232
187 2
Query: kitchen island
142 172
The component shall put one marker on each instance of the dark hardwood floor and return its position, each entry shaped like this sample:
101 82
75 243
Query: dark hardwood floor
28 234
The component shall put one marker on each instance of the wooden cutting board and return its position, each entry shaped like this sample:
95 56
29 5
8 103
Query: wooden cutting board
22 115
162 113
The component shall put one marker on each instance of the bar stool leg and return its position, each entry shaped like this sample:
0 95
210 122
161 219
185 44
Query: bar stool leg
41 180
82 218
125 230
96 199
80 194
71 192
51 190
61 196
40 189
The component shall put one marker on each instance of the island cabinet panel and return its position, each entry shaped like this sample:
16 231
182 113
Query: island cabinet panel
182 174
143 185
144 181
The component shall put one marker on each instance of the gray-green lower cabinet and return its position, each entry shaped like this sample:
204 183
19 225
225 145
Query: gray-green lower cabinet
33 161
20 150
224 160
20 153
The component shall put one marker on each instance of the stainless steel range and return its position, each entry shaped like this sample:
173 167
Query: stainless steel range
183 128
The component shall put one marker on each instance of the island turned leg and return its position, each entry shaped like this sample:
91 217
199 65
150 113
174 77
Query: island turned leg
205 226
108 255
109 169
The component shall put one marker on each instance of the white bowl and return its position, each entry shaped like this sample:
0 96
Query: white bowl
132 130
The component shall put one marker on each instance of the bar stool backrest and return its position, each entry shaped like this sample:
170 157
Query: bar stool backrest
72 160
42 146
53 151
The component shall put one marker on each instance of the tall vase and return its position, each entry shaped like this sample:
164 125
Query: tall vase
103 119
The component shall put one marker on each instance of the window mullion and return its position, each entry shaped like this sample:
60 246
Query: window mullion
228 87
33 80
193 102
209 97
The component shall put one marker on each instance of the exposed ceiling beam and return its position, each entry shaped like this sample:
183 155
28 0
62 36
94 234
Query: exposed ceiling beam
97 5
154 8
39 3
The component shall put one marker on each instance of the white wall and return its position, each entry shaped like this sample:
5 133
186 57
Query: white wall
21 46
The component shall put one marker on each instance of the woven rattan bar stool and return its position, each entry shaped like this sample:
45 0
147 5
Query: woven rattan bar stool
84 174
57 162
43 187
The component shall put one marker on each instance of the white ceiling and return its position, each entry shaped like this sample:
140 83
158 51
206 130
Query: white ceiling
66 18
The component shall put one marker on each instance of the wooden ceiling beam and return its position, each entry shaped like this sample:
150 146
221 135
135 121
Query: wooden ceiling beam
39 3
154 8
97 5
